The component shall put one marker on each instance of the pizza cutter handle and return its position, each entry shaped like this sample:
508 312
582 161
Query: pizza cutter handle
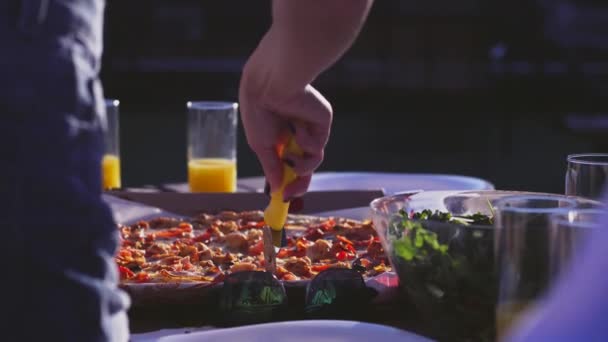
275 214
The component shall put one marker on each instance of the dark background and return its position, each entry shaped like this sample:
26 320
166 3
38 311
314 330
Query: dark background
501 90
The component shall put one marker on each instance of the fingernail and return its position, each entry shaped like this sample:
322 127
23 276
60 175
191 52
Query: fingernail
267 189
292 128
289 162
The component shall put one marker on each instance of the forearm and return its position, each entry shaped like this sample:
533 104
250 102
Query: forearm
307 37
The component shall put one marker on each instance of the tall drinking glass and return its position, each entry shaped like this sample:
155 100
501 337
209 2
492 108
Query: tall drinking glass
110 164
568 232
523 252
587 174
212 129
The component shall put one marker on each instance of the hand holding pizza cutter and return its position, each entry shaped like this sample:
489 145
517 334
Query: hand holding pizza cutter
275 214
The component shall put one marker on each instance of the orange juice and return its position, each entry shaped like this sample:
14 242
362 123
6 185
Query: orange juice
110 172
212 175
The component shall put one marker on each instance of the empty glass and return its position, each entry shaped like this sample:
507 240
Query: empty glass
524 249
212 129
587 174
110 164
568 232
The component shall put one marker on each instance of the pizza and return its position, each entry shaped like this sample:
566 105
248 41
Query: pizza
205 248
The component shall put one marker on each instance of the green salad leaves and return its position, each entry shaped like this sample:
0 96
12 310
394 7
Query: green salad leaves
416 242
447 270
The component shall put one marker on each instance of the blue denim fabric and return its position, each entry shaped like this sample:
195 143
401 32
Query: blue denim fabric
59 278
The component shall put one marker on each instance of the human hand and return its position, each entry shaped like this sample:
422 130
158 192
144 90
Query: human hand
271 109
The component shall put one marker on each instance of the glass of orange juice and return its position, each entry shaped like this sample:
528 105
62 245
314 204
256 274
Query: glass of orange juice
212 129
110 163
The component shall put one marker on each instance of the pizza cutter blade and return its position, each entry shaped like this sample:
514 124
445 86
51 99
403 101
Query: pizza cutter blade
270 251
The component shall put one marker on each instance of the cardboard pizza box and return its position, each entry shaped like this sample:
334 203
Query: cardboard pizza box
190 204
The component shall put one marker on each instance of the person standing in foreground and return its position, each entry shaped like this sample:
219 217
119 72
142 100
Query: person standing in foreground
59 238
60 278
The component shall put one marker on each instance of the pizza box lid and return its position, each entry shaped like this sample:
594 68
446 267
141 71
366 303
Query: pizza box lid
129 205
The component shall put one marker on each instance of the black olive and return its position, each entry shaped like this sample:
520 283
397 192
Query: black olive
135 268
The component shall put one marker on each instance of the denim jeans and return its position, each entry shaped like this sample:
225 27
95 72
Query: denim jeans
59 237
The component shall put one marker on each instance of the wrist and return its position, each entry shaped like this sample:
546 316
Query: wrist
268 73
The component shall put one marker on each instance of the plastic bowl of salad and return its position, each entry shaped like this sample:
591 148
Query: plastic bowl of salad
441 245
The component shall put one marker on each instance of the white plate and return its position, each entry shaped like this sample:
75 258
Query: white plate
302 331
391 183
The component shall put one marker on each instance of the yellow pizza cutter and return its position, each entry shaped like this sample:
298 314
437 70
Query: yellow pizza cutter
275 214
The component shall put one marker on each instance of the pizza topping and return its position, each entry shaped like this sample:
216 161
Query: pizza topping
205 237
190 252
375 250
319 250
342 251
216 232
298 266
236 241
206 263
243 266
185 250
163 223
175 232
133 233
186 264
169 259
253 216
227 216
254 235
205 252
283 274
251 224
344 240
224 259
257 248
326 265
130 258
289 277
320 268
125 273
341 255
314 233
158 248
141 277
228 227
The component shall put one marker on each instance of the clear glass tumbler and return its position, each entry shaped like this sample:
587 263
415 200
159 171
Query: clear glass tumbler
524 247
212 130
587 174
110 164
